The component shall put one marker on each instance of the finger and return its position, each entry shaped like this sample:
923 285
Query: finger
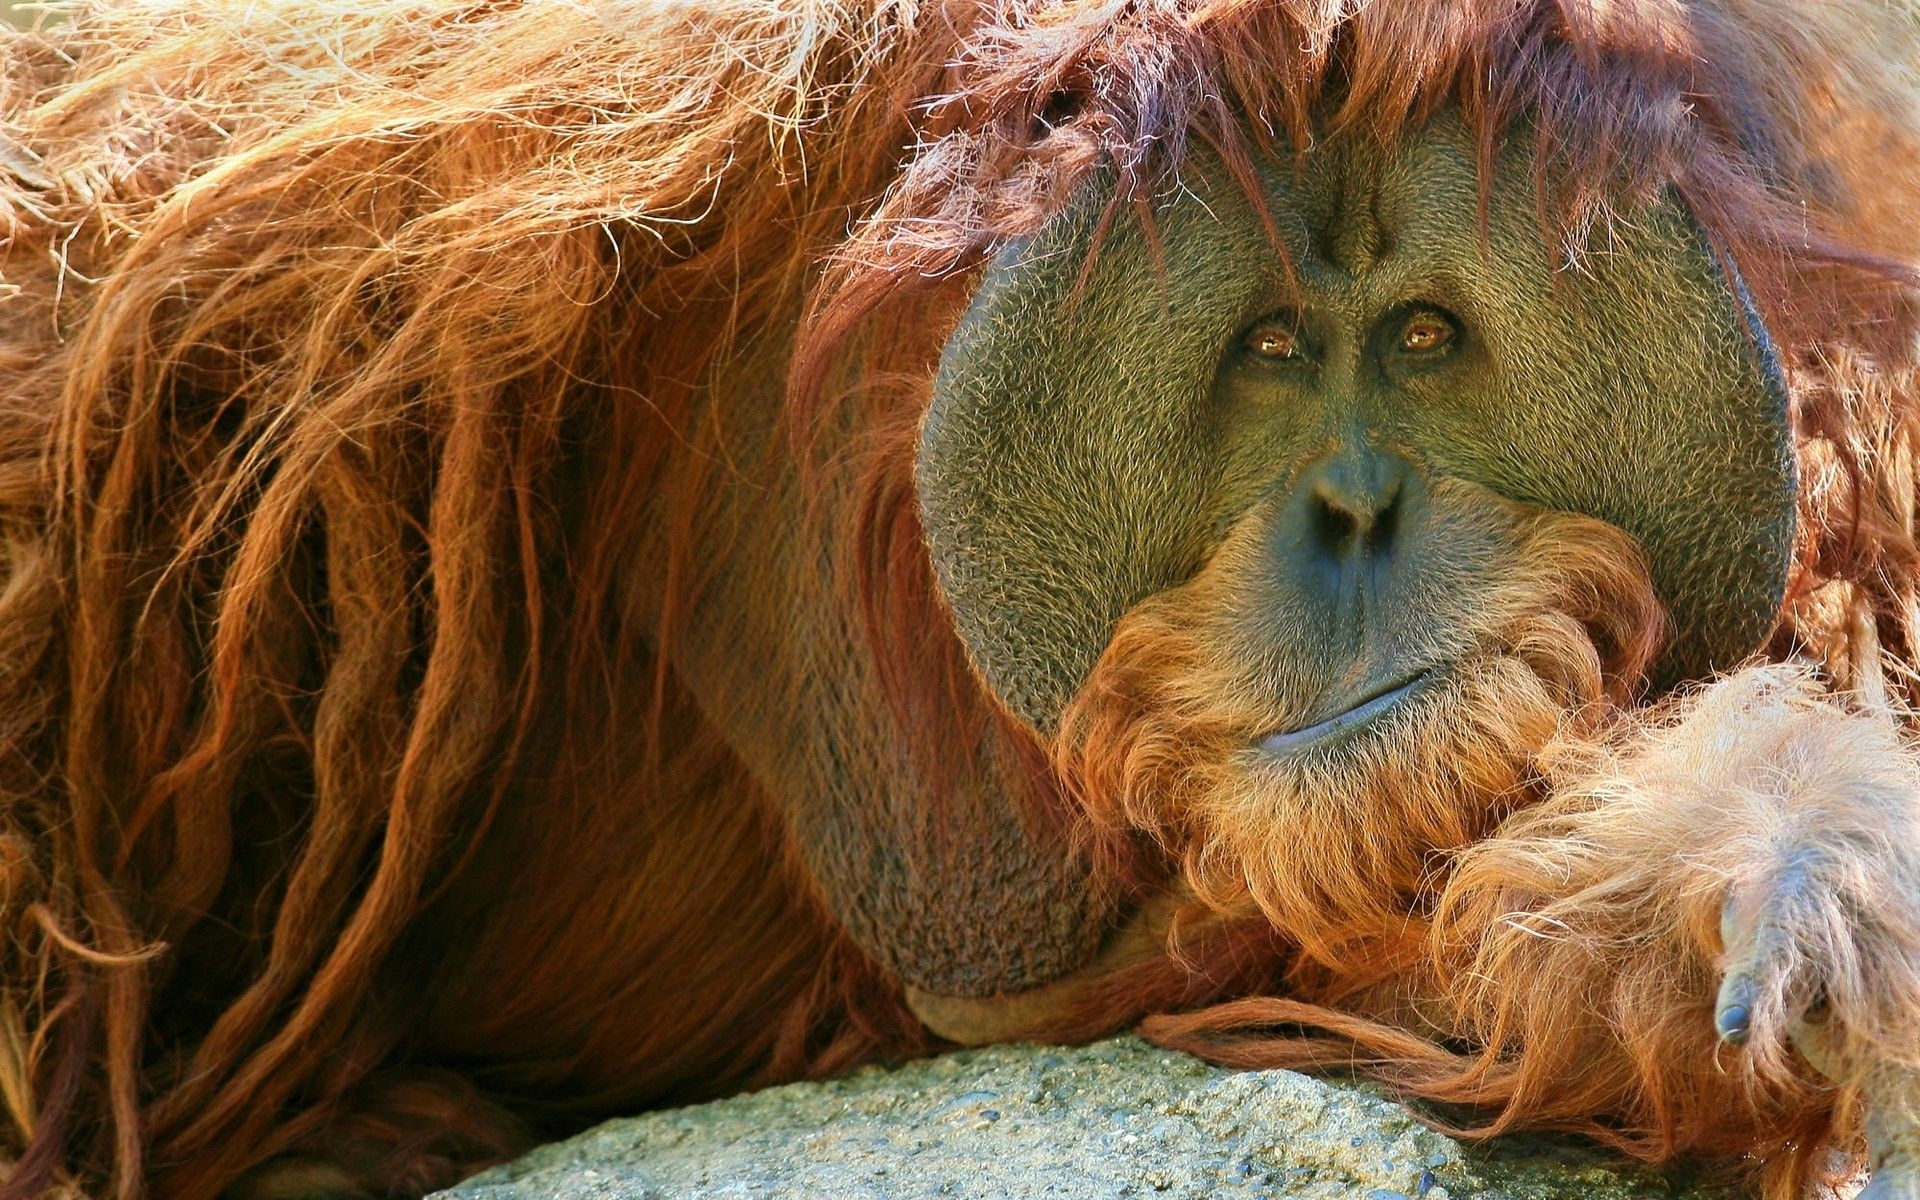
1759 953
1733 1009
1756 927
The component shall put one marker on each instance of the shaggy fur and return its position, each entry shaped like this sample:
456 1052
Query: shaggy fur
348 353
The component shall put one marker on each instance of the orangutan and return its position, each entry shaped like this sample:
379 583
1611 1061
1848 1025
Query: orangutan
561 558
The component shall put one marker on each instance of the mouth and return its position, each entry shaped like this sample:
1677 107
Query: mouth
1362 712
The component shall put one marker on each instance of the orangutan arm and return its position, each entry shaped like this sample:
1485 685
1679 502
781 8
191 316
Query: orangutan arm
1746 871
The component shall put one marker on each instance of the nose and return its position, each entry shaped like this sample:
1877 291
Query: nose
1349 507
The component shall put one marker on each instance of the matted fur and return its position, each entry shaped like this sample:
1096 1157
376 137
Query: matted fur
338 375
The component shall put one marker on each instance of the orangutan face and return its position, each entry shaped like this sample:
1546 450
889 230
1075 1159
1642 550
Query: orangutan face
1284 529
1359 421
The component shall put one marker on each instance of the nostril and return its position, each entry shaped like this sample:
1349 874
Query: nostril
1334 529
1385 526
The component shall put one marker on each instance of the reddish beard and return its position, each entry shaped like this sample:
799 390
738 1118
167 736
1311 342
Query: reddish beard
1340 848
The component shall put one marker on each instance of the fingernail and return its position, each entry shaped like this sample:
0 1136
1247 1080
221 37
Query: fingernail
1732 1022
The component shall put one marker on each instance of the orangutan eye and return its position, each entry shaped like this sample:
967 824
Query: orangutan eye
1274 342
1426 333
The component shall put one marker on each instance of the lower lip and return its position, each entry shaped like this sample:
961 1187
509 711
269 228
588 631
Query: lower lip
1346 722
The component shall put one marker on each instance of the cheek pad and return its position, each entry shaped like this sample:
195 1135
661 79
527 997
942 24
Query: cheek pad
1640 387
1065 460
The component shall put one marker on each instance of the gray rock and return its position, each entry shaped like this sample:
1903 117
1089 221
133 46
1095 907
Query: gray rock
1117 1119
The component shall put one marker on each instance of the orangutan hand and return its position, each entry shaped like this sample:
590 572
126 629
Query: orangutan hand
1805 956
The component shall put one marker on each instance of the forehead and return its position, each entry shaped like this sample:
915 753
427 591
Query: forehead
1351 205
1362 225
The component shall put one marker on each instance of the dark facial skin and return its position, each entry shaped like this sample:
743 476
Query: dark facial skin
1082 455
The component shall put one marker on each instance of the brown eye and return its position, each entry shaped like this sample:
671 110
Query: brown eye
1425 334
1273 342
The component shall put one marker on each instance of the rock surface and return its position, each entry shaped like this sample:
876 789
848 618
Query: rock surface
1117 1119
